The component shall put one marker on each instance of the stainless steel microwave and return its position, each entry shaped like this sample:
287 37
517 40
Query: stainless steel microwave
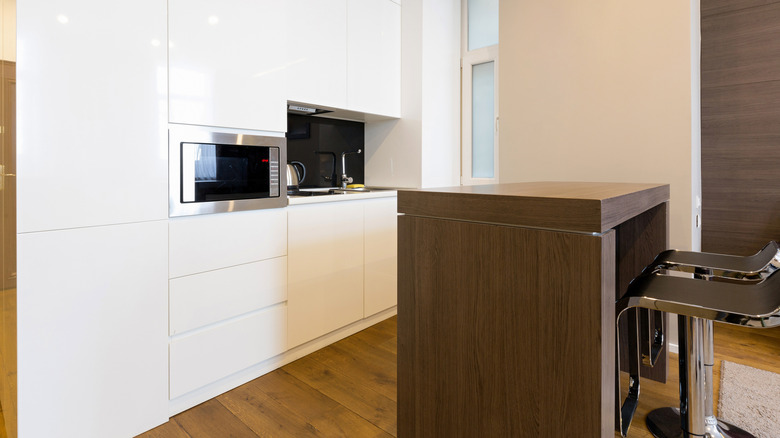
213 172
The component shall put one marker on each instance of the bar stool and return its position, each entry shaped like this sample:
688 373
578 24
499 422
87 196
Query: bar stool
700 288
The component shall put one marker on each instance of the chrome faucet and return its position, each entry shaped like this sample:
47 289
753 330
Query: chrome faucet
344 178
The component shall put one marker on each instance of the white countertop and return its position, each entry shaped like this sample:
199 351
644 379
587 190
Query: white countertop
374 193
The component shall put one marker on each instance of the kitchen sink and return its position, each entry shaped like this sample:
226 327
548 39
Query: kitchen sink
332 191
348 191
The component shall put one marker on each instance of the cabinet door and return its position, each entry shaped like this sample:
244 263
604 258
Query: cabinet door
215 241
92 316
205 298
91 114
325 268
374 57
226 63
219 351
317 45
380 257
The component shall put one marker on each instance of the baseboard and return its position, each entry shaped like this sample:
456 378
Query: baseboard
674 348
198 396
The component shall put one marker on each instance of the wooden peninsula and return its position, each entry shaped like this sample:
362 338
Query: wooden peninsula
506 304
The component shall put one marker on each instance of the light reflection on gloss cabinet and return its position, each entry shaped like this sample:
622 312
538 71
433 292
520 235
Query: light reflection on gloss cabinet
227 63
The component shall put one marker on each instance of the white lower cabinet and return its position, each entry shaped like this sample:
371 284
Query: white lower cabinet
214 241
380 254
208 355
341 264
209 297
325 268
227 294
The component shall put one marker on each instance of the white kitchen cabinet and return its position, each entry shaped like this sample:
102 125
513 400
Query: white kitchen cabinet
215 241
207 355
91 113
325 268
227 63
92 322
374 57
202 299
317 47
227 293
380 254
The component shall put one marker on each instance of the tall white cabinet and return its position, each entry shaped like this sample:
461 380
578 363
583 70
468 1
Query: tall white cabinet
227 63
92 217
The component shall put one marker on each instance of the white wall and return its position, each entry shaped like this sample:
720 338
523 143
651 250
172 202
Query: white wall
600 91
422 149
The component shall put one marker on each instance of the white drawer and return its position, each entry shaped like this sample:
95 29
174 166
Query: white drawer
205 243
201 299
209 355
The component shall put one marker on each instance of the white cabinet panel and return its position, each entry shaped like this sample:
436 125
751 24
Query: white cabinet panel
325 268
227 63
381 255
91 113
201 299
204 243
317 45
374 57
92 319
214 353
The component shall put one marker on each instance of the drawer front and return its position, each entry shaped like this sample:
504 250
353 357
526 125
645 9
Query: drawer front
201 299
207 356
209 242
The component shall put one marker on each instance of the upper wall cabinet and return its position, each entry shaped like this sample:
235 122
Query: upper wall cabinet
345 54
374 57
317 47
227 63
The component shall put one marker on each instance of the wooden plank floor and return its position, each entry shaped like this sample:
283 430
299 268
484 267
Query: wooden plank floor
349 390
758 348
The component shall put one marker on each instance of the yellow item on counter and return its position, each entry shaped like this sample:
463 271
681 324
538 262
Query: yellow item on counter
355 186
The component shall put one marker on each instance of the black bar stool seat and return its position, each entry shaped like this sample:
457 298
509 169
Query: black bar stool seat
700 288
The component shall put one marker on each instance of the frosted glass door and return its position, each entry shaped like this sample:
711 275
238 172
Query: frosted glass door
482 120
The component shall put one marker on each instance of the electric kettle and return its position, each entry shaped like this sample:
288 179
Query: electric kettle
294 175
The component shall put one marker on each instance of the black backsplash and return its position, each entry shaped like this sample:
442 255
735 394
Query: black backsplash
318 143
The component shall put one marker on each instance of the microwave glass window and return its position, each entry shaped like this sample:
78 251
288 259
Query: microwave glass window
216 172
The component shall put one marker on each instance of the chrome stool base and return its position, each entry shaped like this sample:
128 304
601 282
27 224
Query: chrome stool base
665 423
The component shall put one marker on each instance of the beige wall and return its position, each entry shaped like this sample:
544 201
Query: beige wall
8 34
600 91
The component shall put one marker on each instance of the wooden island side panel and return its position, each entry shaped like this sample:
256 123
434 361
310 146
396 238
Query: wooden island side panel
501 330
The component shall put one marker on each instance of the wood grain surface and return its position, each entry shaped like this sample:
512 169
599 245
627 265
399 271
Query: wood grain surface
740 109
571 206
500 331
712 7
639 240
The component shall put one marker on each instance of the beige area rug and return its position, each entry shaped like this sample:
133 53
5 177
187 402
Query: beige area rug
750 399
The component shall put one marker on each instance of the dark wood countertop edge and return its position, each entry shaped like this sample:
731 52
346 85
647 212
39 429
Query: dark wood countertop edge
615 211
561 214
